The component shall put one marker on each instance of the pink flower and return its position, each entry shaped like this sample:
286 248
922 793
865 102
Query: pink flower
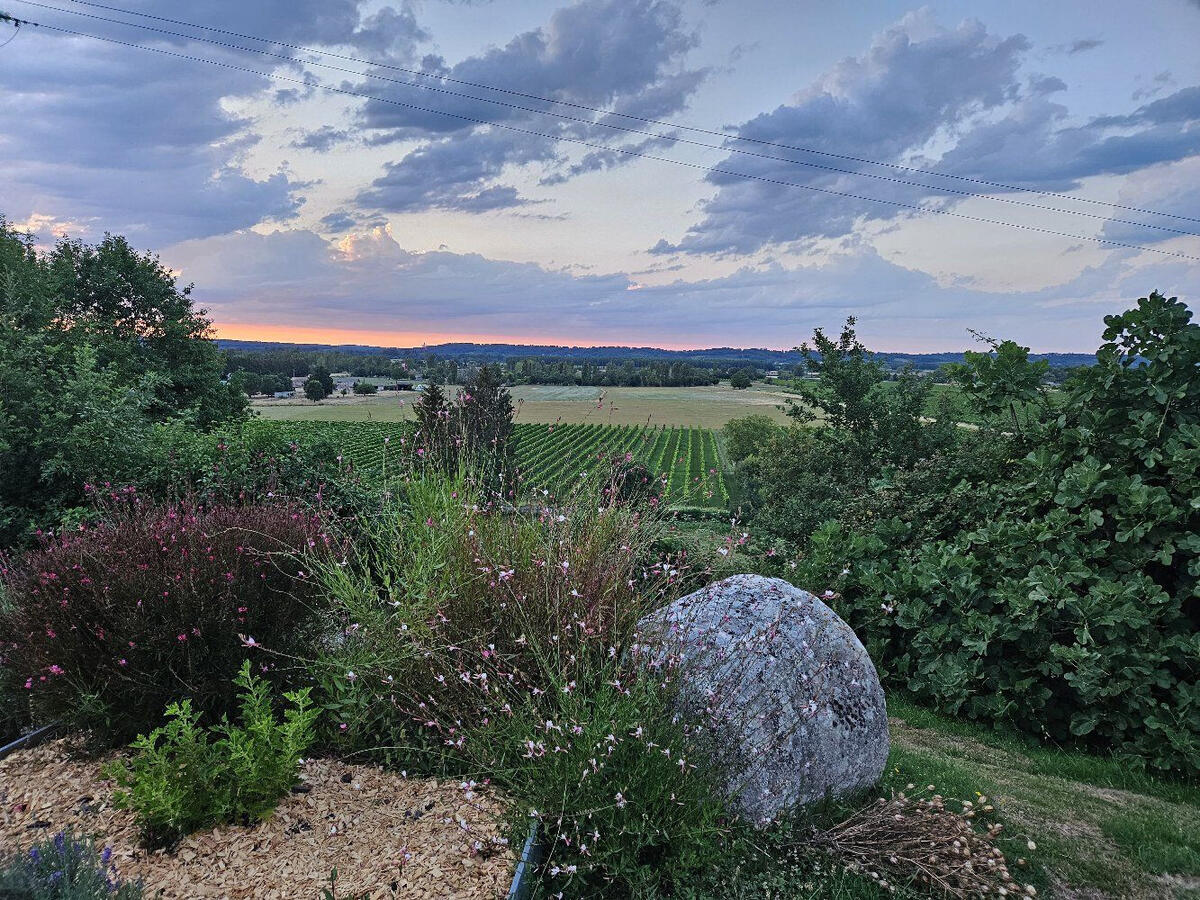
56 669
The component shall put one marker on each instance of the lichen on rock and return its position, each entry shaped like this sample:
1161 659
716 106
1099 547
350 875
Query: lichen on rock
786 692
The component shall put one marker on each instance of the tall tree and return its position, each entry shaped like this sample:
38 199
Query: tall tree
97 344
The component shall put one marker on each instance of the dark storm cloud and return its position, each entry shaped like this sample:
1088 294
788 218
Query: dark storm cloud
621 55
960 86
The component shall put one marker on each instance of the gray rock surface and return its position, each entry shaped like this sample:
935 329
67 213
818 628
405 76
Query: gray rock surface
782 685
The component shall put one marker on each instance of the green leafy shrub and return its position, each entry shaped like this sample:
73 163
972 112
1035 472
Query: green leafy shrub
873 430
1057 591
65 867
106 625
248 463
624 792
183 778
97 342
748 436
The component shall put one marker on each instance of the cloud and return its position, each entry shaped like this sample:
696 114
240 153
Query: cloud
392 30
1183 106
1158 84
1080 46
620 55
915 81
154 146
137 140
924 95
321 139
367 281
1036 147
1172 188
599 160
456 173
1048 84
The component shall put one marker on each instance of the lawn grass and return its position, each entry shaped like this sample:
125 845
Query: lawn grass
1102 827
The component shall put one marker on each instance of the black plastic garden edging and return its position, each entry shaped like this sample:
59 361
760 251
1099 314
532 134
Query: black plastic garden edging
526 871
25 741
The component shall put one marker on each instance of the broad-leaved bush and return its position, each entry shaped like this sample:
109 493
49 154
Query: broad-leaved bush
183 777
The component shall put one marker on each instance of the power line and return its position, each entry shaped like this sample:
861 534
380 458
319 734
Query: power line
649 121
609 149
16 23
610 125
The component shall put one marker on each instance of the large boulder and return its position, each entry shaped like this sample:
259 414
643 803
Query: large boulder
786 692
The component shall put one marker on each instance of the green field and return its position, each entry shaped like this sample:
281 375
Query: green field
694 407
553 457
688 460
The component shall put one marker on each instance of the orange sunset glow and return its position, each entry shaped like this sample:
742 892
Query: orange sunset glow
299 334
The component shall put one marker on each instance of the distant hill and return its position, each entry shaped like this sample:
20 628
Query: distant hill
761 357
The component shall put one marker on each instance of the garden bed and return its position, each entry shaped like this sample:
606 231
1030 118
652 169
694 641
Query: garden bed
387 835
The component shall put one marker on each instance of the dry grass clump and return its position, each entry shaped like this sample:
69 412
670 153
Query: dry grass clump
917 840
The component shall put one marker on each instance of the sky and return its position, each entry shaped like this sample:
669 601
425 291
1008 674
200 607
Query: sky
398 173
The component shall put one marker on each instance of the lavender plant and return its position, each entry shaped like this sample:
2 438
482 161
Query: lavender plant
65 867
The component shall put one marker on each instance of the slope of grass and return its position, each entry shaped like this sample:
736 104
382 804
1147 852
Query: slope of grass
1102 828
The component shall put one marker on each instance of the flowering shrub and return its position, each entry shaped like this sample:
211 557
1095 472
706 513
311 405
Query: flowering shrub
105 626
440 574
64 867
179 780
476 639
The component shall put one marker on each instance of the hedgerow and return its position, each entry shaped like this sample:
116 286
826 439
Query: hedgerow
1044 571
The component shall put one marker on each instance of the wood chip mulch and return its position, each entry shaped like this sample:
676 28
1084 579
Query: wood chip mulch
388 836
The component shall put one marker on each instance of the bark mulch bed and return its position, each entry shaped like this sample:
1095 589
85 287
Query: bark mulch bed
387 835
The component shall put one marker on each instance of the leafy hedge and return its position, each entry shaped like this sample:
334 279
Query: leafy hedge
1045 570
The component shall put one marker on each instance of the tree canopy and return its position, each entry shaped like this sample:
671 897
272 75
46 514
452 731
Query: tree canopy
97 343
